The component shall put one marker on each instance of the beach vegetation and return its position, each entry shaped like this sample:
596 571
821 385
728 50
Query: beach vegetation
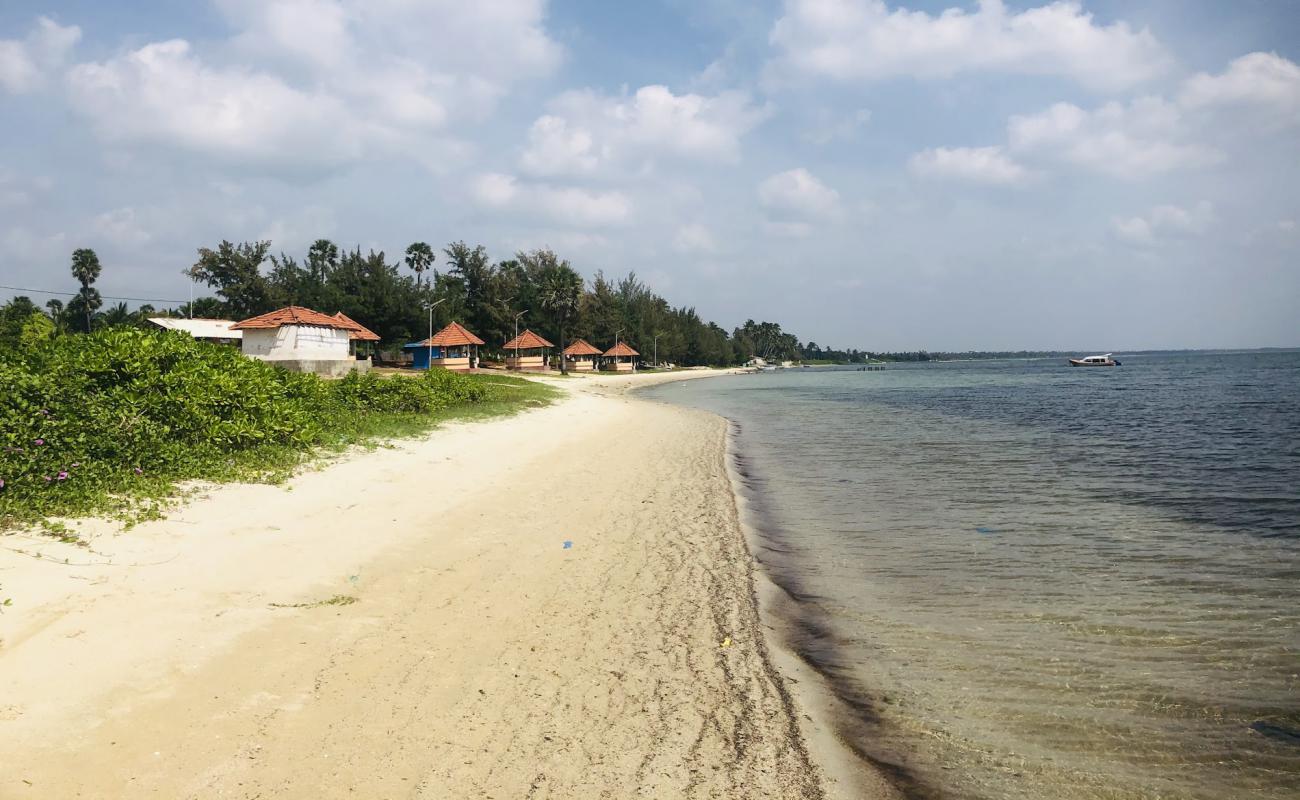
114 421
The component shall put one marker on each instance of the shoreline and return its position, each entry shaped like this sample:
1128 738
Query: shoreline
238 643
849 771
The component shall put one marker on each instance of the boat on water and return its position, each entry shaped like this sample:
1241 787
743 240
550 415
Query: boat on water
1095 361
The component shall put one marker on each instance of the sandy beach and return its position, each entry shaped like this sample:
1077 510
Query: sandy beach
557 604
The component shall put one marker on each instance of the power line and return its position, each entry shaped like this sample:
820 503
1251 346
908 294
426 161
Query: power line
104 296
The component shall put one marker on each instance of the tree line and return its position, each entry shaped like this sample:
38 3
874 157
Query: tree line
398 299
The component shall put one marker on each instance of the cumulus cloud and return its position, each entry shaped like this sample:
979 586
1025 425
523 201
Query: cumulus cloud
694 238
794 200
975 164
319 83
570 205
1259 82
25 64
1164 222
586 130
1133 140
555 148
852 40
161 93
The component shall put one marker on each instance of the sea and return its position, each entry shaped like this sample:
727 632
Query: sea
1025 580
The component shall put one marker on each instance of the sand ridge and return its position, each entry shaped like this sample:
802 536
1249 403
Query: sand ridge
481 657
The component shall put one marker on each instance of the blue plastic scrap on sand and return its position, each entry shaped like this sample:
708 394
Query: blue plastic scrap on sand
568 545
986 530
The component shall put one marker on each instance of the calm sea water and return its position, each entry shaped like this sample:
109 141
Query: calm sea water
1026 581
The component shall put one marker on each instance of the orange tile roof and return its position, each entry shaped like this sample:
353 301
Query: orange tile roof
293 315
621 349
358 331
581 347
526 341
451 336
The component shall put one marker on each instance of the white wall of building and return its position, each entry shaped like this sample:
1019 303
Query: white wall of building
296 342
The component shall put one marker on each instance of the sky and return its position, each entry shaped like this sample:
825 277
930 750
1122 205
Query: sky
870 174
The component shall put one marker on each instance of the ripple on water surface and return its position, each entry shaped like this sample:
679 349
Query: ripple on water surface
1030 581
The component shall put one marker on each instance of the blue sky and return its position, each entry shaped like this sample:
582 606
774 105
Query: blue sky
870 174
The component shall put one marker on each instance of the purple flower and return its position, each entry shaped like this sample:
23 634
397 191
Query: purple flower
47 478
63 475
45 411
40 441
139 471
2 483
76 464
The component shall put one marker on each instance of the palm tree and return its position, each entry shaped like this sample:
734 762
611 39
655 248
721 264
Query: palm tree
85 268
561 290
419 257
116 315
55 307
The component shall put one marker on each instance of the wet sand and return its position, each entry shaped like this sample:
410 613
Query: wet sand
409 622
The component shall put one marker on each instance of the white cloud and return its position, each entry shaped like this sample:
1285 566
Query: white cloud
1259 82
694 238
162 94
793 200
864 40
26 64
1255 95
121 227
1145 137
318 84
586 130
1165 222
556 149
571 205
976 164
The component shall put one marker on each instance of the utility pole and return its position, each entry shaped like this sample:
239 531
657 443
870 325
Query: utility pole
428 343
657 335
517 316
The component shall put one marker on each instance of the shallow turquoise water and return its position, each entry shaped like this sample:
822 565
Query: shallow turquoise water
1027 580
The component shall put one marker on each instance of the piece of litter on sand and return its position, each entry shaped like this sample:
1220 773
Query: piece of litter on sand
568 545
725 643
986 530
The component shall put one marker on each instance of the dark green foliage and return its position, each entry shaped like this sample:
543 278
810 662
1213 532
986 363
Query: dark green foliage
234 271
105 421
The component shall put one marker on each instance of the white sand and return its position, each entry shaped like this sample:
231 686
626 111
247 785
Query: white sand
481 658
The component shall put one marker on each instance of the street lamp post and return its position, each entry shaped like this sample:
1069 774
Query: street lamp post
428 343
616 335
657 335
517 316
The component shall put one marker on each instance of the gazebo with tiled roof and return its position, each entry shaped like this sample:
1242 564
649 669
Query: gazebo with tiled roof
580 356
451 348
527 351
621 358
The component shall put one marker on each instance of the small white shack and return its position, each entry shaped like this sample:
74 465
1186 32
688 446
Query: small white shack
302 340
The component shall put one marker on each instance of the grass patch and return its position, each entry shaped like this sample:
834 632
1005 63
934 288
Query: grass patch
112 423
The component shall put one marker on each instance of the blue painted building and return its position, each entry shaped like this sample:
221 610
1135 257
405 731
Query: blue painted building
421 352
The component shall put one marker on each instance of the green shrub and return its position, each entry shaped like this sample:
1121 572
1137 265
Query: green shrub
101 422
